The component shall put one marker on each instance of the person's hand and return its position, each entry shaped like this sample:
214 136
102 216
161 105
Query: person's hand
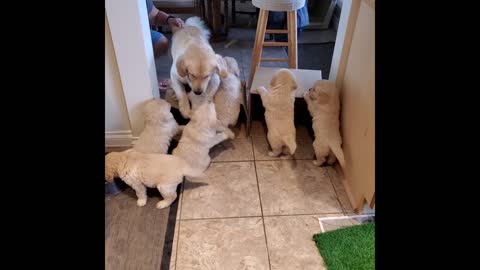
176 22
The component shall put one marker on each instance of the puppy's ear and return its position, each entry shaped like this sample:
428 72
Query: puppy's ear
294 85
182 69
274 80
322 97
232 65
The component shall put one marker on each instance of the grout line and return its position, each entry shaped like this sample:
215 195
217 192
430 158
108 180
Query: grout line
261 207
308 214
335 190
213 218
256 216
179 222
229 161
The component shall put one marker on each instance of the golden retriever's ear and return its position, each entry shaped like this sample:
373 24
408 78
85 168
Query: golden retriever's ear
181 67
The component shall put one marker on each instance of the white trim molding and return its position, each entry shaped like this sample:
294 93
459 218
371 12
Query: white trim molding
120 138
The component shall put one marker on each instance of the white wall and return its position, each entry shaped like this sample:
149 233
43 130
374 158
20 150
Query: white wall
117 123
358 109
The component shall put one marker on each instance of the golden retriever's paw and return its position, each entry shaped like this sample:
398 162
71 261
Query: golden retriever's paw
141 202
163 204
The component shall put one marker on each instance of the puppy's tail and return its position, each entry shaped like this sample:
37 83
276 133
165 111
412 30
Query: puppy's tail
291 144
338 152
200 24
194 173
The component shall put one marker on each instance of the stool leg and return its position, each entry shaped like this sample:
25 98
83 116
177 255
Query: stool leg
292 39
256 55
257 49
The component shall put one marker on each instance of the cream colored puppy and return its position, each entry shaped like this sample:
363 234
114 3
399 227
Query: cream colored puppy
138 170
228 98
324 106
199 135
279 101
194 62
160 127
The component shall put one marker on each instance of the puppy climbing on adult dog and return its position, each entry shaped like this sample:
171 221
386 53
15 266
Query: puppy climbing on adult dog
194 62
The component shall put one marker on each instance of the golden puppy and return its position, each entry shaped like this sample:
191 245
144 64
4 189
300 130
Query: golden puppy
160 127
200 134
138 170
278 101
324 106
228 98
194 62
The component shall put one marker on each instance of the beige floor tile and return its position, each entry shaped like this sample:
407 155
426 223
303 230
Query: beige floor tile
239 149
295 187
336 175
290 243
240 130
230 191
221 244
258 129
261 148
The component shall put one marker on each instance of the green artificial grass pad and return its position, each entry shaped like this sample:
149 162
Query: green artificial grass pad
348 248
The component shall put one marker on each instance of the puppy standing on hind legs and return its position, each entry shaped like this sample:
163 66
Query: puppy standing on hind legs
324 106
279 102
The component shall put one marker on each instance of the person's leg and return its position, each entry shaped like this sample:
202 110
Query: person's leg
159 43
160 47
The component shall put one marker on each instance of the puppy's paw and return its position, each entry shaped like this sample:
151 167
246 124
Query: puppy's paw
230 134
163 204
272 154
141 202
318 163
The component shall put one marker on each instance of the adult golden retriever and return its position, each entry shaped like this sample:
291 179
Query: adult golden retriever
194 62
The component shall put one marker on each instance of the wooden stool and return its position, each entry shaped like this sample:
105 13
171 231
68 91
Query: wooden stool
289 6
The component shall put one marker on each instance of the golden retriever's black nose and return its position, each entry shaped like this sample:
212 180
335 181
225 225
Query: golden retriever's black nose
197 91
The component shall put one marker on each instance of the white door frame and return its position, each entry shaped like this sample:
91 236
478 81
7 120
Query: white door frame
129 26
346 26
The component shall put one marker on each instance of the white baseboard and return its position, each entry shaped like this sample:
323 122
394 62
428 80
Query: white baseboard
120 138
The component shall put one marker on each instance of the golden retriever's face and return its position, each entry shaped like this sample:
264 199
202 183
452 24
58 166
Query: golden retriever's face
198 66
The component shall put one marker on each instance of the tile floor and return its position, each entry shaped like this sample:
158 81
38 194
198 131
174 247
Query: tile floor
253 212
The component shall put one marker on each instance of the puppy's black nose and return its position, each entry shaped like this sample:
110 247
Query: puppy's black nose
197 91
310 89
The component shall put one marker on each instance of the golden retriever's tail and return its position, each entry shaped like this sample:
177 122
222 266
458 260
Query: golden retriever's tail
200 24
291 144
338 152
193 173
